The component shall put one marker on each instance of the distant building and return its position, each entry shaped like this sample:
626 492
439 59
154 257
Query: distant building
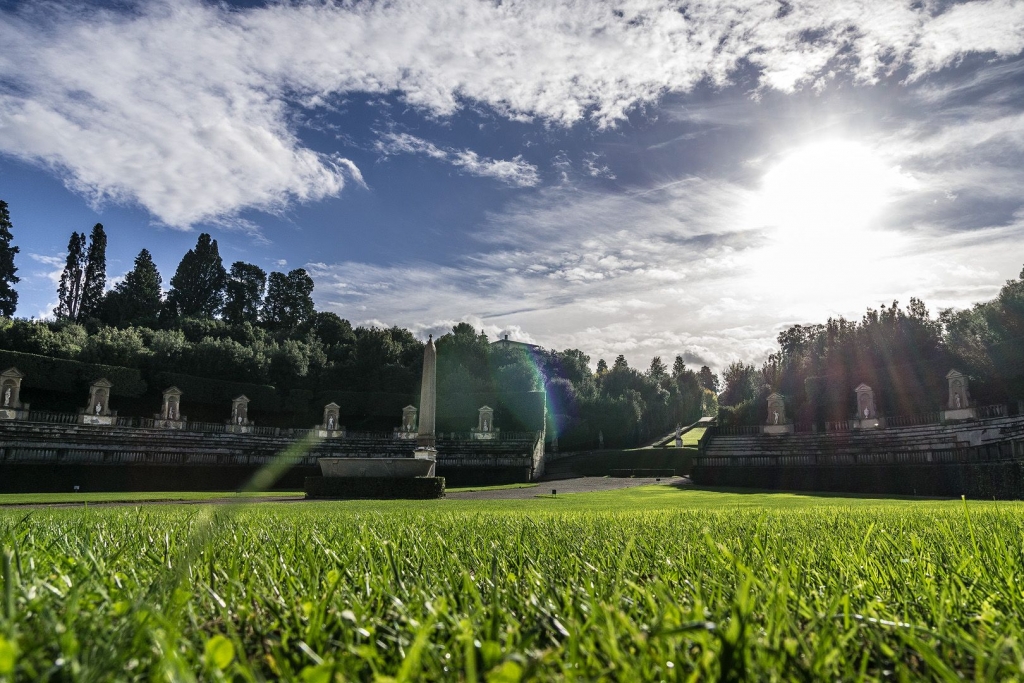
507 344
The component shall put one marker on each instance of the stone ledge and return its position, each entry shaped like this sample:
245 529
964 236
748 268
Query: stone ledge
419 488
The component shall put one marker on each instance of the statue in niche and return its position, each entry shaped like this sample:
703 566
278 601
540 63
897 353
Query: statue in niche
239 419
486 429
866 413
99 407
956 398
776 417
7 397
330 423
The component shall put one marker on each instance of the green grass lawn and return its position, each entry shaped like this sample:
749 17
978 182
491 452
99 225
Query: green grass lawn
651 583
133 497
691 439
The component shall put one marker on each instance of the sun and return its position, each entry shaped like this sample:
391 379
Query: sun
829 191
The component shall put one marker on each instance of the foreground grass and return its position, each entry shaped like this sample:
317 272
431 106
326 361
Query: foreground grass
134 497
642 584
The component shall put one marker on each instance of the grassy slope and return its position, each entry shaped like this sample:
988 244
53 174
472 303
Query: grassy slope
640 584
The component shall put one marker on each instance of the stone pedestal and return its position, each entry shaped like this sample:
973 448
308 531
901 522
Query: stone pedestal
959 414
14 413
106 420
427 455
238 429
775 430
868 423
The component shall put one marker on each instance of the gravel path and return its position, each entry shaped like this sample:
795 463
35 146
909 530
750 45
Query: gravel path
576 485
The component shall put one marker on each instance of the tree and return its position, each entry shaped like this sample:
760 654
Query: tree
8 297
602 366
245 288
95 274
708 379
620 363
197 288
136 299
289 301
69 292
678 366
657 371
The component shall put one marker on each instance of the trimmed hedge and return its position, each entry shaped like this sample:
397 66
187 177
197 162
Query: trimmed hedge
522 411
374 487
262 397
984 480
72 376
366 403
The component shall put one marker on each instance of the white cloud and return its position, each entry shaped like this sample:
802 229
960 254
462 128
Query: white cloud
515 172
186 108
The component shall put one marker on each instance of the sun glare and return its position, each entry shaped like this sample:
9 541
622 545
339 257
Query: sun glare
822 207
826 192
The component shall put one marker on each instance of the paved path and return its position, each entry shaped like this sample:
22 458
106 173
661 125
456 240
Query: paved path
575 485
562 486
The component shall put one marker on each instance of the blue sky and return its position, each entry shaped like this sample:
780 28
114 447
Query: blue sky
641 177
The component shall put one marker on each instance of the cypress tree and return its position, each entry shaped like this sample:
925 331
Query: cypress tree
8 297
69 292
136 299
245 287
95 274
197 288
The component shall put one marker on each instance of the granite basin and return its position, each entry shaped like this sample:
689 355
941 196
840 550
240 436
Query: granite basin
396 468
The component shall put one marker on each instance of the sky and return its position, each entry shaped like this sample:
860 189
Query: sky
639 177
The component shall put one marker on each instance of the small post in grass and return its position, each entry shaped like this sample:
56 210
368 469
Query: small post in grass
554 491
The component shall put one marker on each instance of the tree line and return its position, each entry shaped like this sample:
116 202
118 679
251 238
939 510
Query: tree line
902 353
240 324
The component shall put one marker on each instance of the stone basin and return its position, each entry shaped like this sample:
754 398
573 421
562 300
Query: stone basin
396 468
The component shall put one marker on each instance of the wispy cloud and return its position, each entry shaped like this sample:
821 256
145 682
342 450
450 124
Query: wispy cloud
515 171
186 108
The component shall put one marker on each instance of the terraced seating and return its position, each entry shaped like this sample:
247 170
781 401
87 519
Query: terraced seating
864 442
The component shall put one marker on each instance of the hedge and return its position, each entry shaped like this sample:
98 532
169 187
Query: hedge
522 411
72 376
366 403
262 397
374 487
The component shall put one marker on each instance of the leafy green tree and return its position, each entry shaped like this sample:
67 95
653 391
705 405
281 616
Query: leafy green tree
95 274
72 280
197 287
658 371
620 363
136 299
8 296
245 288
708 379
331 329
678 366
289 301
602 366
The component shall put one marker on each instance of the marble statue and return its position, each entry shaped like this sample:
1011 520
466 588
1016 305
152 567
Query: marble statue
99 407
679 436
776 417
330 423
7 397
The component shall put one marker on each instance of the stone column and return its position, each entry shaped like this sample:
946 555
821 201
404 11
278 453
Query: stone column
428 398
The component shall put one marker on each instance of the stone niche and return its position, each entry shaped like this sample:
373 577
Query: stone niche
958 405
777 422
170 416
408 428
330 427
867 414
98 412
239 422
485 424
11 407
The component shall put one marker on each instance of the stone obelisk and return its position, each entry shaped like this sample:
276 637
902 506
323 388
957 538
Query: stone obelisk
428 398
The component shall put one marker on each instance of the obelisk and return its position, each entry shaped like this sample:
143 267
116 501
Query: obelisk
428 398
